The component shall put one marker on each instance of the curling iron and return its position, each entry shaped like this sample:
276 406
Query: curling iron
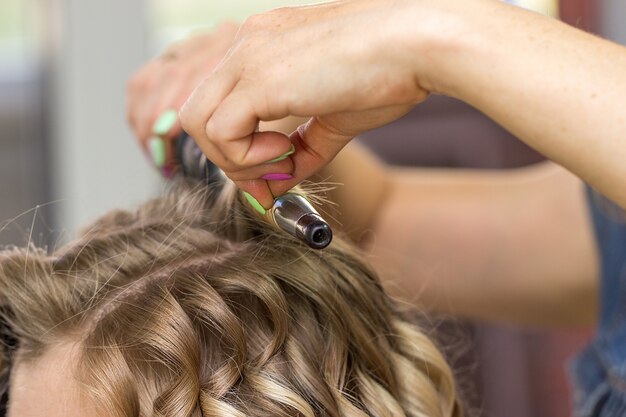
291 212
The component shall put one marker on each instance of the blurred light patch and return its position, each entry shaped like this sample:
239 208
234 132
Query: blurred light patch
17 38
174 19
547 7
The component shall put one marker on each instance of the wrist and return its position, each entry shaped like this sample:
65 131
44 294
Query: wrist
446 41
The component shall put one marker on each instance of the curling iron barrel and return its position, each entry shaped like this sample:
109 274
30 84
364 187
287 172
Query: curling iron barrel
296 216
291 212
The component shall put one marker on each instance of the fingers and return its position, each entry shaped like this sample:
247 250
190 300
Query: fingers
153 101
259 191
139 92
160 88
225 126
318 141
316 144
265 76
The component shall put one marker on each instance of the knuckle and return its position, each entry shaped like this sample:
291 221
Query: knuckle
281 11
133 84
222 137
228 26
253 21
168 72
143 85
185 117
286 99
176 73
141 79
214 132
262 23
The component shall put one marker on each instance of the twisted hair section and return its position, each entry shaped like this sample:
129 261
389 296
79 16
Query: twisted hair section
192 306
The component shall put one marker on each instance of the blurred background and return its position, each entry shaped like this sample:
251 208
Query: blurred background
67 155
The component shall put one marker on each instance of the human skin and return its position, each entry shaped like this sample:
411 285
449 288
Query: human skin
46 386
512 246
355 65
165 82
551 265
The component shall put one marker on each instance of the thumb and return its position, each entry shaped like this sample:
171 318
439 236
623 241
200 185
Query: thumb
319 140
316 143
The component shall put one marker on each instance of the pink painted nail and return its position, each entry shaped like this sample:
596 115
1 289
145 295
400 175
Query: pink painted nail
277 177
167 171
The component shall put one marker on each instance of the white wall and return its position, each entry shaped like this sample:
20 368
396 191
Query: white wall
96 46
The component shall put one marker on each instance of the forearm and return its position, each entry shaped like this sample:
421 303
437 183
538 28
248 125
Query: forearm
512 246
560 90
506 246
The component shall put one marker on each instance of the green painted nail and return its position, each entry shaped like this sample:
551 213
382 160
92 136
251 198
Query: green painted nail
291 150
157 151
165 122
254 203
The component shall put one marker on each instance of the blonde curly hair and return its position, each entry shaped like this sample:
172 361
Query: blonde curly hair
191 306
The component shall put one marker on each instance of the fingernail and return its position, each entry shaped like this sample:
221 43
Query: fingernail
165 122
291 150
167 171
254 203
277 177
157 151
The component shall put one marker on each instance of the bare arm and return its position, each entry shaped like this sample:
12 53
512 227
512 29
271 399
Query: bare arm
555 87
512 246
559 89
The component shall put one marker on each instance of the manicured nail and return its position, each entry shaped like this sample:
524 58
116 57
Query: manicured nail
254 203
291 150
165 122
167 171
157 151
277 177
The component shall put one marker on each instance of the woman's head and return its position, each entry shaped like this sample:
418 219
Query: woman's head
189 306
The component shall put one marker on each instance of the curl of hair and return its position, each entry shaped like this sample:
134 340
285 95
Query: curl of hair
191 306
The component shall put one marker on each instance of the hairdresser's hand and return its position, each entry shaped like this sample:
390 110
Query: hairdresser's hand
161 86
560 90
345 64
